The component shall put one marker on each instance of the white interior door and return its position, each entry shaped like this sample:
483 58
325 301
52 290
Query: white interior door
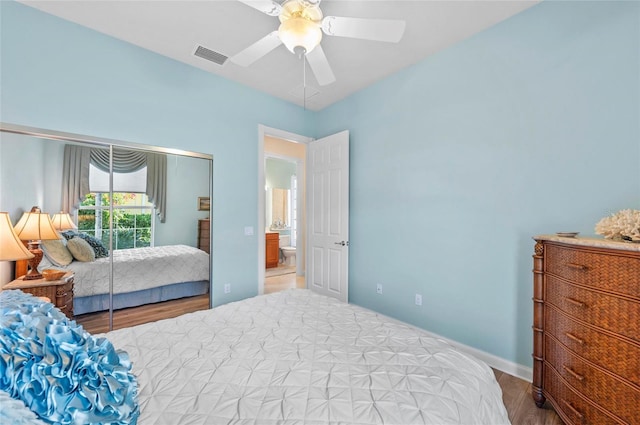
328 215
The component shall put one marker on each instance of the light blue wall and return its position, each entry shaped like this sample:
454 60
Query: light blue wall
61 76
187 179
22 174
530 127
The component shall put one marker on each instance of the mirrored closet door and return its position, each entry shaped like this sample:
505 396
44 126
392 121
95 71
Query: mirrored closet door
135 242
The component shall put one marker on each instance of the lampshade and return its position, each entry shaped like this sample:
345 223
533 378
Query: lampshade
11 248
300 32
62 221
35 225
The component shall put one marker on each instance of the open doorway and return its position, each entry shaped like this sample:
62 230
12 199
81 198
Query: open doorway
281 210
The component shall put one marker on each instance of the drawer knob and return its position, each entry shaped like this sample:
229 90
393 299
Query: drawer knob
573 373
573 409
574 338
574 302
577 266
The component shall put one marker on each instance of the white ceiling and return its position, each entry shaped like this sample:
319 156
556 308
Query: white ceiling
176 28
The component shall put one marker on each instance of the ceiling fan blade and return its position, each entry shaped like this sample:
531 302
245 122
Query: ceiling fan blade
320 66
268 7
368 29
257 50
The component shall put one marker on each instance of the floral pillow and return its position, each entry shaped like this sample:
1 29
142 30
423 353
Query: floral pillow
99 248
69 234
97 245
62 373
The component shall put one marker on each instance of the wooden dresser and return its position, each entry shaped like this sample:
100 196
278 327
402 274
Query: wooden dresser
272 250
60 292
586 329
204 232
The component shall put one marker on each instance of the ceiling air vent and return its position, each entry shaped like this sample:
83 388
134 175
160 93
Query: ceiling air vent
210 55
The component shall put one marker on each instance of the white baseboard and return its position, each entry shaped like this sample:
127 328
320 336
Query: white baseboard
515 369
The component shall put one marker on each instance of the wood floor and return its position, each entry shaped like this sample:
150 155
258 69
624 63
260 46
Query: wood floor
516 393
285 281
99 322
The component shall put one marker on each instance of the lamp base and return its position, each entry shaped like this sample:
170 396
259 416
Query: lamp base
33 273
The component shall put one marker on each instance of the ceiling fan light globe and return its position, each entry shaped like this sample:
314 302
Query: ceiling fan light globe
300 32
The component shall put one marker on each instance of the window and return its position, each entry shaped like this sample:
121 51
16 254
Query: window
132 212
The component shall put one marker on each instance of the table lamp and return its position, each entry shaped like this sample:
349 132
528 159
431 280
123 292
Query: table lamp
33 227
62 221
11 247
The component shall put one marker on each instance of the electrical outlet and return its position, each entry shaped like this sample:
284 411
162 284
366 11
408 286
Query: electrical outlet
418 299
379 288
248 231
227 288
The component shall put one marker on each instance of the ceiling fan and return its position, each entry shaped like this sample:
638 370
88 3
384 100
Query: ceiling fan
301 27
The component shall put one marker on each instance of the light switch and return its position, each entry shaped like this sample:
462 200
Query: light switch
248 231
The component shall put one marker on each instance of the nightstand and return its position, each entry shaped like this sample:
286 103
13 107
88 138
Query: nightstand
60 291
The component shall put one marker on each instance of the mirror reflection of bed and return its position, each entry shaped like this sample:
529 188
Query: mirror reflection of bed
161 264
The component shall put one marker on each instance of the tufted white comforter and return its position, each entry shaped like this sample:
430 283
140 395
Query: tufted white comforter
296 357
140 268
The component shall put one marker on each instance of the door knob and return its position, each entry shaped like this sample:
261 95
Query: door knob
342 243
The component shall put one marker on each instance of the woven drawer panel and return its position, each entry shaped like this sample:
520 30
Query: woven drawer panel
608 312
621 399
42 291
571 406
611 353
616 273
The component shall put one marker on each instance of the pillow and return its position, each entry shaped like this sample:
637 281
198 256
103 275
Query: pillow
69 234
56 252
97 245
81 250
60 371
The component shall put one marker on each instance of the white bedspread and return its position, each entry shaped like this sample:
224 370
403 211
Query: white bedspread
296 357
140 268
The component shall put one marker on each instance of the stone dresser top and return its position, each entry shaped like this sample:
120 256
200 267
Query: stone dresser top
591 241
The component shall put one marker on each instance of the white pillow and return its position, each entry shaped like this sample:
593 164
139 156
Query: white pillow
56 252
81 249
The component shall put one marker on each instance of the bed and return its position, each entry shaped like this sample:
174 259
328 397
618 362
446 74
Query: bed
140 276
296 357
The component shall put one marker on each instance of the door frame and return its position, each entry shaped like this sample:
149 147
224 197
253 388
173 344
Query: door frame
280 134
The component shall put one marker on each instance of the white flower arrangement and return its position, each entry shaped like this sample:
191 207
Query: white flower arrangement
624 225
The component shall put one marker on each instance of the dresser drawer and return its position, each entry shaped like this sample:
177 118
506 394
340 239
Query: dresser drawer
606 311
613 354
204 229
618 272
570 405
620 398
